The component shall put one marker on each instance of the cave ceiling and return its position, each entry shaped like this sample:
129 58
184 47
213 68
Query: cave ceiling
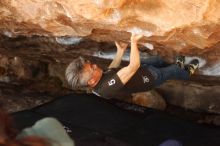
170 27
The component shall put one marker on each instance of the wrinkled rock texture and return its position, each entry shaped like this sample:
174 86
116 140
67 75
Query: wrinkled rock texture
172 26
177 24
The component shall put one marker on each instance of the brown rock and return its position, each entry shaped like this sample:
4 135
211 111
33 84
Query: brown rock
210 119
18 67
150 99
194 96
2 71
179 24
4 61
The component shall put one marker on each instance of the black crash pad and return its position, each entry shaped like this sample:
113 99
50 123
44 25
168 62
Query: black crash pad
93 121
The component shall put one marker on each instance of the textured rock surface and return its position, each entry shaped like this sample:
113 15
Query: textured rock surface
170 27
18 96
175 23
150 99
193 95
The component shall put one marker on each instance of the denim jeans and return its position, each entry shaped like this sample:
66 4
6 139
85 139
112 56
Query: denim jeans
163 71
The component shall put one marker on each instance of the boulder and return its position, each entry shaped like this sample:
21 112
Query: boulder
150 99
191 95
176 24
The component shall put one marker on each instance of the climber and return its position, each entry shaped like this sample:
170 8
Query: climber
137 76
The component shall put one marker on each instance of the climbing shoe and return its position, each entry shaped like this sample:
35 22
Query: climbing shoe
180 60
193 65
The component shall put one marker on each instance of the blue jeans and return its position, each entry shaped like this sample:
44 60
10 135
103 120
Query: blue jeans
163 71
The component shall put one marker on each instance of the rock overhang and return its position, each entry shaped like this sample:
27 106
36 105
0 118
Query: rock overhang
170 27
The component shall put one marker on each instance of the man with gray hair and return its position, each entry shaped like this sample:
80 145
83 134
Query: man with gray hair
136 77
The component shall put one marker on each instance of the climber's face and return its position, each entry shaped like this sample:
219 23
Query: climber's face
93 73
